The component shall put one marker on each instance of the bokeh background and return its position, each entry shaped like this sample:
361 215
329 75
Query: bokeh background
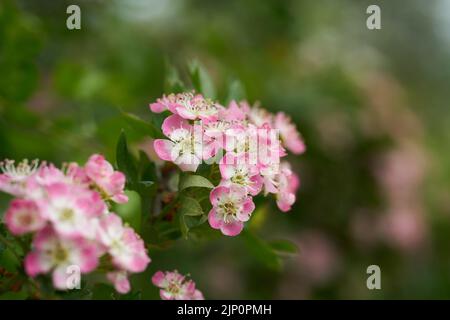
373 107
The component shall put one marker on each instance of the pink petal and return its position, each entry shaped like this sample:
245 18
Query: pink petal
158 279
185 113
217 193
256 186
213 220
163 149
172 123
247 207
157 107
232 229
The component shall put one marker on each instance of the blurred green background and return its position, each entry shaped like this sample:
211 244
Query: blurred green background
373 107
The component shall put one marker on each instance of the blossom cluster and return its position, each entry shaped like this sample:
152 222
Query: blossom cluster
249 144
174 286
68 213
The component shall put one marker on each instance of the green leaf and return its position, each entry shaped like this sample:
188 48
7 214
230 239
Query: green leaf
9 261
142 127
21 295
261 250
190 207
236 91
125 162
284 247
201 80
192 180
190 214
131 211
173 81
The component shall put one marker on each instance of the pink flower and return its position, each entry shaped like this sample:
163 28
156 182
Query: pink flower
14 178
185 145
214 137
165 103
188 106
234 113
231 208
288 183
236 171
259 116
53 253
197 107
270 172
23 216
120 281
71 209
289 133
174 286
125 247
111 183
77 174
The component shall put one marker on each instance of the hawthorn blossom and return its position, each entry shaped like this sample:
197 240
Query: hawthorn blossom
214 137
188 106
185 145
23 216
71 209
52 253
259 116
287 185
109 182
165 103
174 286
194 107
14 177
235 171
289 134
231 208
126 248
67 212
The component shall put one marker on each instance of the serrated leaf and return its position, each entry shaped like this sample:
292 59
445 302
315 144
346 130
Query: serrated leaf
125 162
261 250
201 80
192 180
284 247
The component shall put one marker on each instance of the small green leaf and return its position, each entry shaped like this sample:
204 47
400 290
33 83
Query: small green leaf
190 207
173 81
142 127
192 180
125 162
284 247
131 211
261 251
201 80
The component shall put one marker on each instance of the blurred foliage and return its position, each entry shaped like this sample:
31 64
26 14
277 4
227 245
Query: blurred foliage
371 105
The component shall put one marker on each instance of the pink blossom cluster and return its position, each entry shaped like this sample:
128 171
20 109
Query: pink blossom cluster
174 286
249 143
68 212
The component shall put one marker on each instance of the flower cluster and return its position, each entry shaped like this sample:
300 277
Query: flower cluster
249 143
174 286
67 211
